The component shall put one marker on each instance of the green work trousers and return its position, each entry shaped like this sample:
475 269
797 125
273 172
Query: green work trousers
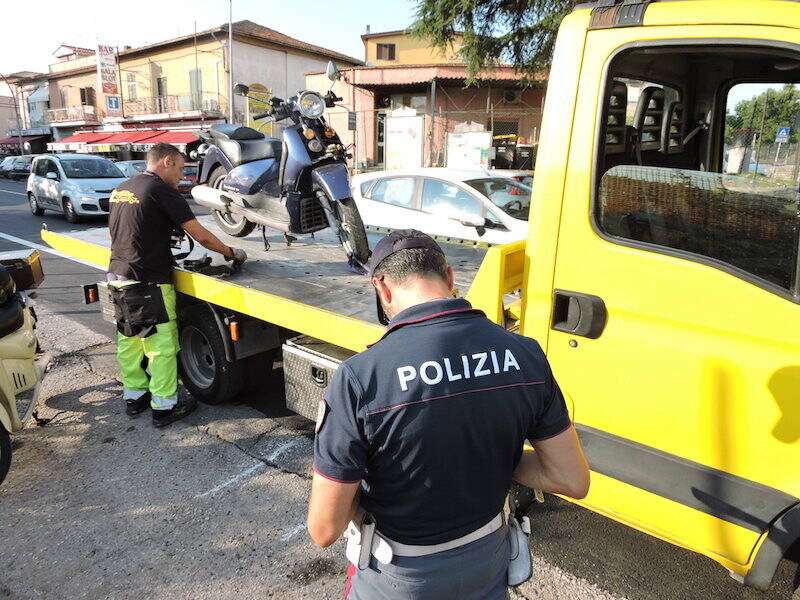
161 350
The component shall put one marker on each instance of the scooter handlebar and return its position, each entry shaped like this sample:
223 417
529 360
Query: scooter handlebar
262 115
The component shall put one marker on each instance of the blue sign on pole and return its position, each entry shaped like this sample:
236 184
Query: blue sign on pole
782 136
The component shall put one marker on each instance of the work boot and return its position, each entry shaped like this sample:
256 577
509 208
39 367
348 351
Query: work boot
133 406
162 417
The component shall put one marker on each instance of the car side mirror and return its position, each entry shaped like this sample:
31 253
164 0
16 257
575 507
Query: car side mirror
241 89
478 222
331 72
52 175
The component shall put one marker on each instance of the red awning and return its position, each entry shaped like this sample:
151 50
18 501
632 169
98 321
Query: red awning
173 137
86 137
16 139
127 137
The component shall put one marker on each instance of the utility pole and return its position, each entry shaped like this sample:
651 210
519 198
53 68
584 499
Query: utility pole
230 61
16 112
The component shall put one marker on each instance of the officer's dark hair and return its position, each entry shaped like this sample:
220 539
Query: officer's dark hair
412 262
161 151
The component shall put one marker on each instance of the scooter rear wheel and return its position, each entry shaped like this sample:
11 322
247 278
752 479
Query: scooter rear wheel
230 223
5 453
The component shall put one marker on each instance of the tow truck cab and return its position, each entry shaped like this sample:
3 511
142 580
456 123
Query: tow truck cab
662 277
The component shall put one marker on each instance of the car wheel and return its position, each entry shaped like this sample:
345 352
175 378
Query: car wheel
36 210
69 212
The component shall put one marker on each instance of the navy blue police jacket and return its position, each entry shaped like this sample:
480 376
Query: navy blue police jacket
432 419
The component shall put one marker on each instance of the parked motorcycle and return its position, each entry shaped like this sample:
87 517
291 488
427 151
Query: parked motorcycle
21 367
297 186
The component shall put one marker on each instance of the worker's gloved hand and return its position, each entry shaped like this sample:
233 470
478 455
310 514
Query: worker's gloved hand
239 255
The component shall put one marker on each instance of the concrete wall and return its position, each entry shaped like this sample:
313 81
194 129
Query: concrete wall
410 50
72 85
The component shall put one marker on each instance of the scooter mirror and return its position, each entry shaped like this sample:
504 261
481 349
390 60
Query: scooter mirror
331 72
241 89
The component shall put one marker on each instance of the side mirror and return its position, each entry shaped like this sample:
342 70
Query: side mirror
331 72
52 175
241 89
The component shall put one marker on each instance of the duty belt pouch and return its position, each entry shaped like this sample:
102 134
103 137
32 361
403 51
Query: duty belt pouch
364 542
138 308
520 566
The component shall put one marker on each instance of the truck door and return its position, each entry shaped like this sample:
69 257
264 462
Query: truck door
675 324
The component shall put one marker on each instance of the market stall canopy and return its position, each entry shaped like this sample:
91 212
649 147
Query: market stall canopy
78 141
178 139
121 140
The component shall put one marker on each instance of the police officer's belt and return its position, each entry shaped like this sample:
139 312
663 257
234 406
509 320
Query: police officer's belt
410 550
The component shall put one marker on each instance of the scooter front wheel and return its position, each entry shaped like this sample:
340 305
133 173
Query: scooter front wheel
5 452
230 223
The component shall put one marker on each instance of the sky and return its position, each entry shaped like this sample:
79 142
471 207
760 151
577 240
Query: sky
31 36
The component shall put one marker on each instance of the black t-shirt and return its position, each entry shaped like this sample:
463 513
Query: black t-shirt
144 211
432 420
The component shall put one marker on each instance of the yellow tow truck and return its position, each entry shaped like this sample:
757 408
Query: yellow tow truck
661 276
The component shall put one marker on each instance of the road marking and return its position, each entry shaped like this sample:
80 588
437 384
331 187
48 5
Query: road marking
308 282
21 242
290 534
10 192
235 479
281 449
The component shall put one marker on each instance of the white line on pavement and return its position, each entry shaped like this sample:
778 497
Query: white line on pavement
290 534
5 191
235 479
281 449
21 242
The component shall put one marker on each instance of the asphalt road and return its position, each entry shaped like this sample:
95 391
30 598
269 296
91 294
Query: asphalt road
98 505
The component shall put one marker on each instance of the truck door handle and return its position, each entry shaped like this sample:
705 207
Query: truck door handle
579 314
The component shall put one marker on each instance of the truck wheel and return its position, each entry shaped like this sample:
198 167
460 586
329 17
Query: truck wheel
204 370
5 452
355 237
36 210
69 212
230 223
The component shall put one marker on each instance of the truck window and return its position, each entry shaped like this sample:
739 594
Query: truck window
703 169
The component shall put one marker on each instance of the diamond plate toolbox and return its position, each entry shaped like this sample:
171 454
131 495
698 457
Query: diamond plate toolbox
308 367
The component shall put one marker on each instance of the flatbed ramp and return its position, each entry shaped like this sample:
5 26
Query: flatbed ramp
306 287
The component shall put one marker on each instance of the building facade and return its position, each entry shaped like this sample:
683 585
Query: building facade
24 117
401 48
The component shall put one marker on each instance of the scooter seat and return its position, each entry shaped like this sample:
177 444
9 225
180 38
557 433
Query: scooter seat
244 144
12 316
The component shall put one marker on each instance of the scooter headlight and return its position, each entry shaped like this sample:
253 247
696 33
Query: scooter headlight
311 105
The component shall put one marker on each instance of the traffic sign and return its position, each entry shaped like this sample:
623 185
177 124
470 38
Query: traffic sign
782 136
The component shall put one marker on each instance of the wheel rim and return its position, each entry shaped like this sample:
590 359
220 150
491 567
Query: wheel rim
197 357
69 208
34 205
228 218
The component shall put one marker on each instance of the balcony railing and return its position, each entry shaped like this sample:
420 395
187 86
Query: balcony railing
207 103
72 113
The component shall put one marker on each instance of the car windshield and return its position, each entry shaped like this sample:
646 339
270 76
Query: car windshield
510 196
90 168
7 161
139 167
190 171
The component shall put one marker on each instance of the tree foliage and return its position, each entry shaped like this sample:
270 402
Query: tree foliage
517 32
776 107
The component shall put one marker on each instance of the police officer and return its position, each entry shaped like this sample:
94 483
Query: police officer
424 431
145 210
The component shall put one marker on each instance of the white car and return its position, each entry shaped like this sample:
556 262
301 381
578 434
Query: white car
462 204
131 168
76 184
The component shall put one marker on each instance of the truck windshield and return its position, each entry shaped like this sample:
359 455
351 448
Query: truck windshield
90 168
511 197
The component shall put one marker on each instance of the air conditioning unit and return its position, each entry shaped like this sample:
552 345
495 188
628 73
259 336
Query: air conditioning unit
512 96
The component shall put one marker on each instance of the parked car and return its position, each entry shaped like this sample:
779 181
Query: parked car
521 175
131 168
465 204
76 184
189 180
5 165
20 167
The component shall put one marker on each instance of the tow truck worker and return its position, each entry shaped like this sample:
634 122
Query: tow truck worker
144 212
424 431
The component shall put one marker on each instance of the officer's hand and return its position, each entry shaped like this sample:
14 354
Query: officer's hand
238 255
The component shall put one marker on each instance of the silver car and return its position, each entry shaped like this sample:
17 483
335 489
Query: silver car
78 185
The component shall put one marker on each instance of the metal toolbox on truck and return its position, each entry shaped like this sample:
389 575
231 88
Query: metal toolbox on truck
308 367
25 268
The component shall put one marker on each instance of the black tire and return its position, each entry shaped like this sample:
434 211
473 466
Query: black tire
234 225
205 372
69 212
5 453
354 227
36 210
